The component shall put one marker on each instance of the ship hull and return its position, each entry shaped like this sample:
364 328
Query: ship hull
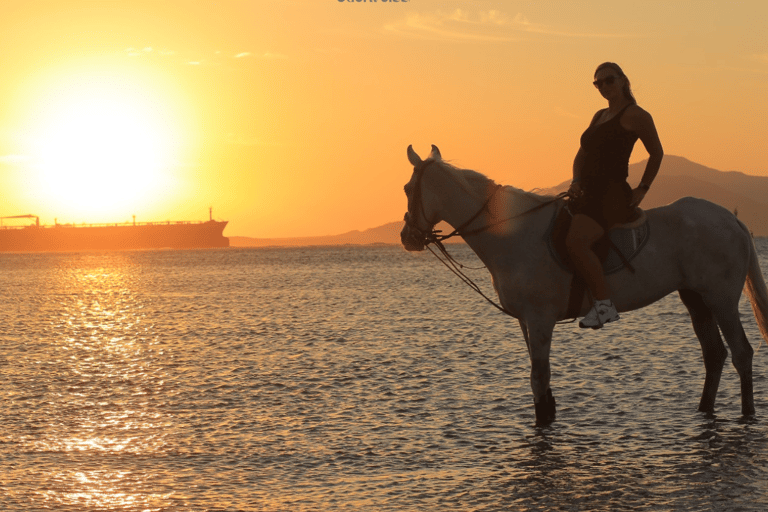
177 235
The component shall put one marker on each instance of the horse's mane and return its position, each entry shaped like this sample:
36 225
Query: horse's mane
478 185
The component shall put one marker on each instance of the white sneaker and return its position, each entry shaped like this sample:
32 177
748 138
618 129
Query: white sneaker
602 312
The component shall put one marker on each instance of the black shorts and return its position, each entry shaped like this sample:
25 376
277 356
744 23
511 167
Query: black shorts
607 203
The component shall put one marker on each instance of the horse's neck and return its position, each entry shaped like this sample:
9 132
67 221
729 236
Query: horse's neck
502 223
459 205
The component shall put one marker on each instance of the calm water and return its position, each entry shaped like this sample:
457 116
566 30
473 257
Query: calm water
345 379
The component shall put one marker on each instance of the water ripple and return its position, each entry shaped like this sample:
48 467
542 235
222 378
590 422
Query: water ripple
345 379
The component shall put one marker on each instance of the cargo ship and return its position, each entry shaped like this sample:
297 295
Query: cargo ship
112 237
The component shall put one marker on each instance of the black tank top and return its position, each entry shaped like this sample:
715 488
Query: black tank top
607 147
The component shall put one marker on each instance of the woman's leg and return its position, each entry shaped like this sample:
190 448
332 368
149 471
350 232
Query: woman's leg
583 233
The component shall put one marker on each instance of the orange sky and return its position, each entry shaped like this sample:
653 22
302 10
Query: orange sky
291 117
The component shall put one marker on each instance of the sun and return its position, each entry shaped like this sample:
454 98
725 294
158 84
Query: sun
102 147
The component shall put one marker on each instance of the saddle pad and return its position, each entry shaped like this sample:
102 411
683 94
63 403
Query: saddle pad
629 241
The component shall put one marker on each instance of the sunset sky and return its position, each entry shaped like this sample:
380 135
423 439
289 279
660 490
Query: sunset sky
292 117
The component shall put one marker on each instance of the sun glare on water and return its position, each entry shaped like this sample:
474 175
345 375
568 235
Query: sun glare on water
101 148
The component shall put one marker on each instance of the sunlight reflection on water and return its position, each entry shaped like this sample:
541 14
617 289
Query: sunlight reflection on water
91 357
344 379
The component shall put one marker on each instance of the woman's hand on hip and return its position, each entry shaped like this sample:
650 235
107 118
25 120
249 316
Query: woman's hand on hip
638 194
575 190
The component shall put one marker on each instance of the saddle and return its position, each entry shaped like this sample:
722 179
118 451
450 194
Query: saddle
615 250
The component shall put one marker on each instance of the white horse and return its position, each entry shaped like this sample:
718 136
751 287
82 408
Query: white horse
696 248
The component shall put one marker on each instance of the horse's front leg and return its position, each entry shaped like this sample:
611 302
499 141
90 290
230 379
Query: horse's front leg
539 338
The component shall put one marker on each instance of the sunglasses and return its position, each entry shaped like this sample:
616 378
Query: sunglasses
609 80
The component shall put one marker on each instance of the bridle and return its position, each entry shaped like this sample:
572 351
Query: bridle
416 235
420 237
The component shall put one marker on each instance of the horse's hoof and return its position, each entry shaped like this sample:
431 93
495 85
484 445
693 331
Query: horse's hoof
546 410
748 419
545 424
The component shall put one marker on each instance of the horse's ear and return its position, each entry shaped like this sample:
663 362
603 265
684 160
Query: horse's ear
435 154
413 157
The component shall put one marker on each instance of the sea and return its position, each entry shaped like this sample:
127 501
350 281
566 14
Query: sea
348 378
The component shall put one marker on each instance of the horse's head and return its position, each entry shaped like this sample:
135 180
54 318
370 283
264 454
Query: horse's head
419 219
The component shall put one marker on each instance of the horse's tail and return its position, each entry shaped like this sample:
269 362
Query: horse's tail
757 292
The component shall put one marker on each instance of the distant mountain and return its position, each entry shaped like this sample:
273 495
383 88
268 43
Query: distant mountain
387 234
677 178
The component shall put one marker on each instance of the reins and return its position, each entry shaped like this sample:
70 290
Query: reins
435 237
460 230
454 266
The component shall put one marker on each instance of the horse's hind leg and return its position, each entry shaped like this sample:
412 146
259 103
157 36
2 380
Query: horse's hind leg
741 353
712 347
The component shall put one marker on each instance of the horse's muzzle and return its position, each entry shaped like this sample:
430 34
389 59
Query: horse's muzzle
412 238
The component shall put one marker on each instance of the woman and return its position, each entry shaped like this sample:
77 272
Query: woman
600 195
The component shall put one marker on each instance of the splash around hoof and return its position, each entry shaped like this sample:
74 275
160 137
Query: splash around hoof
546 410
748 419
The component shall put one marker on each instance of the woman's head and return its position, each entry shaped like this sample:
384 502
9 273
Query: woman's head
609 74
